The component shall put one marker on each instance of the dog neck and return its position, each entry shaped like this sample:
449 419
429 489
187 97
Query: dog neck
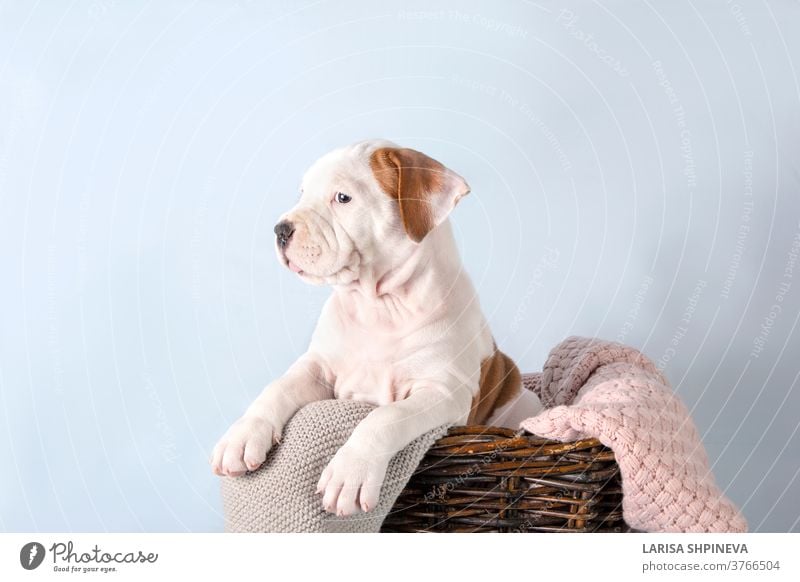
413 288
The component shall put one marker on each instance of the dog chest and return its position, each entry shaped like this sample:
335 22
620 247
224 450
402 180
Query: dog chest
374 382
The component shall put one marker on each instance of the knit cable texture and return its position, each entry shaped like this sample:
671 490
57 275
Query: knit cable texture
602 389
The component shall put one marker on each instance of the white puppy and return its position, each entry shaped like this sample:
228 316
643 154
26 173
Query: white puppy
403 328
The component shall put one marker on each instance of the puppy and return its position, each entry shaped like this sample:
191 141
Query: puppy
403 328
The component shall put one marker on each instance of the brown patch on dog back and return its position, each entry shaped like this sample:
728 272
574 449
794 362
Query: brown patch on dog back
410 177
500 382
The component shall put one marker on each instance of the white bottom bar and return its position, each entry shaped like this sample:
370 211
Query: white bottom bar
353 557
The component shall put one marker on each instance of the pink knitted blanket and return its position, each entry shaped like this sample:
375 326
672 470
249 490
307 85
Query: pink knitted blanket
605 390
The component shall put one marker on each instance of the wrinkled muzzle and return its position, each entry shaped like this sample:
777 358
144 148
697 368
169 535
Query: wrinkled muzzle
309 244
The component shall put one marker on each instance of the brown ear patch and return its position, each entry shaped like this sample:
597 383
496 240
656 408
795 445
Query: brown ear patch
411 178
500 382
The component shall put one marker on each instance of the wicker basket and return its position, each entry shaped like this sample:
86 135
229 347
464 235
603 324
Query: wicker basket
490 479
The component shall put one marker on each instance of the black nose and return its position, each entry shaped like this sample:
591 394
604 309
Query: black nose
284 231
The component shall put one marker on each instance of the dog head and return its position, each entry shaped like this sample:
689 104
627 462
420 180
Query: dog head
364 206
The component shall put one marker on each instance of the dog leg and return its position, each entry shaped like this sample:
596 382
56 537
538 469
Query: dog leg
352 480
246 443
522 407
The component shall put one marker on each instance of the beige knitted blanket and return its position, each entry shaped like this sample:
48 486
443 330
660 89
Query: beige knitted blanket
281 497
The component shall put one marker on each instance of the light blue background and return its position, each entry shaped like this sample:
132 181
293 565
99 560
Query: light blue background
146 150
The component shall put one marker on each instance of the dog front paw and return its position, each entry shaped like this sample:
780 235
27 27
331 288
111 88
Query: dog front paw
351 481
244 447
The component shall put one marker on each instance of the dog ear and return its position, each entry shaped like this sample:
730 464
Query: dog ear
425 190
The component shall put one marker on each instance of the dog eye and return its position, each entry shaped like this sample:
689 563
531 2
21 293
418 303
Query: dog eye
342 198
